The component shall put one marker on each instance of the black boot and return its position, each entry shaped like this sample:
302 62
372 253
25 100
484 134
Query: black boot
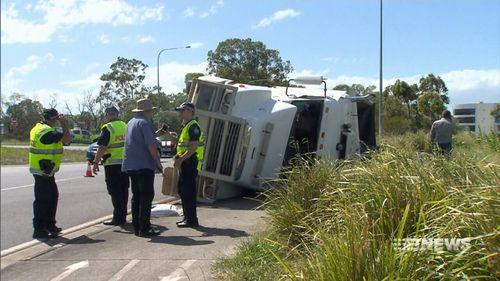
43 234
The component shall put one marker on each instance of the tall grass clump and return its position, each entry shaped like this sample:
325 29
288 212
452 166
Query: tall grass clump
343 220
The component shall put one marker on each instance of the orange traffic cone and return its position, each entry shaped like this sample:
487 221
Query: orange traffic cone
88 173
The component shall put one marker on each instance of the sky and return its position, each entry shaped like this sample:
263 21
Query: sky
60 48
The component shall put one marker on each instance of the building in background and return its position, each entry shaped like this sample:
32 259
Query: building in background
476 117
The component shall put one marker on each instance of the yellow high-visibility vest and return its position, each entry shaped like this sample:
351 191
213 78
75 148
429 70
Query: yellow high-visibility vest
183 143
116 143
53 152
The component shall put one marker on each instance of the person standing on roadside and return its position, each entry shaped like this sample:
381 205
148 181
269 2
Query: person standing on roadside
442 131
188 160
111 142
140 160
45 157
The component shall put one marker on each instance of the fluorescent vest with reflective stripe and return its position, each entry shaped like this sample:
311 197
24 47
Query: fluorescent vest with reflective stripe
38 151
116 130
183 143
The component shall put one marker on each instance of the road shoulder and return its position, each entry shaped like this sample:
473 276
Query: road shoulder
101 252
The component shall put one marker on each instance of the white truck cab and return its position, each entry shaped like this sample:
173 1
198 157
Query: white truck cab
251 132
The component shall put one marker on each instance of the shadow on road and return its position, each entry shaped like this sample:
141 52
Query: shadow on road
129 229
84 239
179 240
213 231
250 200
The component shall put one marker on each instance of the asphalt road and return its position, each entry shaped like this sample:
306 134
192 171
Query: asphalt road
80 200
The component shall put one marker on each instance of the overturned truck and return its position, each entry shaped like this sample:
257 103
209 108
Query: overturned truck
251 132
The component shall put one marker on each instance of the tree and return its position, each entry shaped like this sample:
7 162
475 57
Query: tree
53 100
244 61
188 79
432 83
124 82
94 108
355 89
395 120
25 111
430 104
192 75
166 105
407 94
495 112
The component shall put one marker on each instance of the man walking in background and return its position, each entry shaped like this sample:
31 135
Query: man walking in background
111 142
140 160
45 157
442 131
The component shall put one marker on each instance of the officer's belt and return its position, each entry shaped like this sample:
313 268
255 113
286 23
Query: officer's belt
42 173
186 144
46 151
116 145
113 162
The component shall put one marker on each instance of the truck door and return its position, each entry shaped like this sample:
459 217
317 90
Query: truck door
304 134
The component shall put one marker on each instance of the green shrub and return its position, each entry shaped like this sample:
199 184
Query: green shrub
253 261
339 220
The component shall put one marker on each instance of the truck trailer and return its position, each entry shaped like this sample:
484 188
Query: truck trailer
252 132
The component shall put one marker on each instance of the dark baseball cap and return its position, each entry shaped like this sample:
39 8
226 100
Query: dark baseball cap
50 113
111 110
185 105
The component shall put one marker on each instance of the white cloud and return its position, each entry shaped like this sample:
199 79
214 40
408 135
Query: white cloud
91 82
468 79
91 67
104 39
60 15
63 61
309 72
331 59
171 80
11 78
464 86
188 12
172 75
213 9
146 39
196 45
125 38
277 16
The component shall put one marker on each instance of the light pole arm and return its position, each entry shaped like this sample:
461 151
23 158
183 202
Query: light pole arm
158 64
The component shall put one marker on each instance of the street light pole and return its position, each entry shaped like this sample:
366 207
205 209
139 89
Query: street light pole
158 64
380 106
158 72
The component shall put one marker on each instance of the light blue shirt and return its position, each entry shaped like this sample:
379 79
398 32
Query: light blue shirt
138 136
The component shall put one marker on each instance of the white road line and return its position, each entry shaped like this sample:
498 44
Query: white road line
119 275
179 273
31 185
70 269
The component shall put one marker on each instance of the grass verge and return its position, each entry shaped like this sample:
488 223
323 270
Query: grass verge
12 141
19 156
343 220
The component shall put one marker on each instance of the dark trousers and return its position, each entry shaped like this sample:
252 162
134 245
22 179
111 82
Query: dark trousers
142 198
45 203
445 146
187 188
117 183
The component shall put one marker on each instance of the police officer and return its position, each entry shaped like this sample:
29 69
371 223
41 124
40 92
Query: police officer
45 156
188 160
111 143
